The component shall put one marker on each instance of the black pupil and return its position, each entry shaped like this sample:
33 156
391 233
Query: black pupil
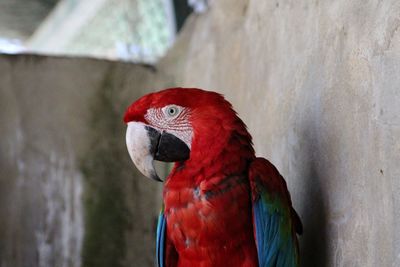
171 111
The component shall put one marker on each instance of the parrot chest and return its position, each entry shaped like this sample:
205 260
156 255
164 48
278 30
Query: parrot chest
211 221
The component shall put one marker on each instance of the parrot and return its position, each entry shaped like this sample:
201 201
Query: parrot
222 205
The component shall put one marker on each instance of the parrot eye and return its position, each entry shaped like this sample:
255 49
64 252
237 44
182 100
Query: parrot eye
172 111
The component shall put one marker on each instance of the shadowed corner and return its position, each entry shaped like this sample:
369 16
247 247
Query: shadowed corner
313 209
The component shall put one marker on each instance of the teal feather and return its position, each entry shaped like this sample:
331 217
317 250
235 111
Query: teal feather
275 243
275 221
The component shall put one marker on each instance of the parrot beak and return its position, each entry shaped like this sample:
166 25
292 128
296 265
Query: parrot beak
146 144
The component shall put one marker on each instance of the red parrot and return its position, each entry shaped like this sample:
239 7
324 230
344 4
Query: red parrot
223 206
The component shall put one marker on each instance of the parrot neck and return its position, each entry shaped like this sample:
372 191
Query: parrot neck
226 155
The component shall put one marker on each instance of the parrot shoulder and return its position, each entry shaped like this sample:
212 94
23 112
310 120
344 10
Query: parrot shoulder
266 179
274 219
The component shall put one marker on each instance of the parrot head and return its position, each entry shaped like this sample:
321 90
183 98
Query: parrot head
179 125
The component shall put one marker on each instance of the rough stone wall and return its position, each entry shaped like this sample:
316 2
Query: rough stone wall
318 84
69 194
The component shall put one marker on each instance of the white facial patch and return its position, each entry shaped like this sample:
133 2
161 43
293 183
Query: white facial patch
138 144
177 124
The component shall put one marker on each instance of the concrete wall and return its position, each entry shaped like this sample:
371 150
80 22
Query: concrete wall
318 84
69 194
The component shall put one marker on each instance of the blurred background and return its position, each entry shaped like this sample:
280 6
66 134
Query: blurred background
127 30
316 82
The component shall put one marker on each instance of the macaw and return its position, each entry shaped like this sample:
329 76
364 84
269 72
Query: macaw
223 206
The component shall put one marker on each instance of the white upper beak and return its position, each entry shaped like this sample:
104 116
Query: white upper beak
139 147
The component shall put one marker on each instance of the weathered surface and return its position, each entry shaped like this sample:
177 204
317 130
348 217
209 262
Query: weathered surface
317 82
67 186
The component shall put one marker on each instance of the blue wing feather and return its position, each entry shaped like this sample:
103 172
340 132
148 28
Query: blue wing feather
275 221
275 246
160 241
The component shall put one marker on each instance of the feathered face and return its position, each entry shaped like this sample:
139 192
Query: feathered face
172 119
167 126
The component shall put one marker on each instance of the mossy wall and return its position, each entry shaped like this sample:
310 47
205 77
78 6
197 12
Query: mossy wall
69 194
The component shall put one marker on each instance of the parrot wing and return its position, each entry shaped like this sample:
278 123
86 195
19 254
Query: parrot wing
275 221
165 250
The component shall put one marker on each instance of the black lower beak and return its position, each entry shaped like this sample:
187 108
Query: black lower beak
167 147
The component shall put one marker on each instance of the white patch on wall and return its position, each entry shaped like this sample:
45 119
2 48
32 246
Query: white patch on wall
60 238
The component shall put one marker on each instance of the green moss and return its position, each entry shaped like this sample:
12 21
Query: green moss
106 214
